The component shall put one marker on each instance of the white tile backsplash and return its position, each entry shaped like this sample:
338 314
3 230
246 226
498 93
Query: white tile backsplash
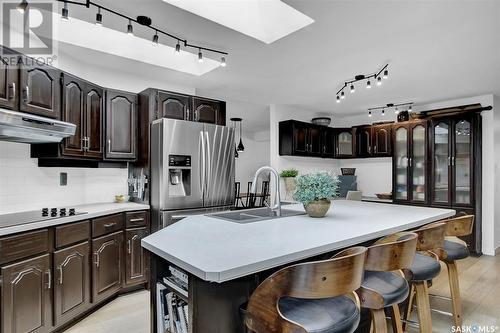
25 186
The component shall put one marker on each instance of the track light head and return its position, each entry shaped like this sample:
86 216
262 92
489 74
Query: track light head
369 114
386 74
379 81
130 28
383 112
223 62
200 56
155 39
342 95
410 108
22 6
338 99
178 48
65 12
368 84
352 89
98 17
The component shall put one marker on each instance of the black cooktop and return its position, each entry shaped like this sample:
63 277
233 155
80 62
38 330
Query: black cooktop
9 220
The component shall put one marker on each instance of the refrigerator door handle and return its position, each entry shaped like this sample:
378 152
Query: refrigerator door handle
208 166
201 155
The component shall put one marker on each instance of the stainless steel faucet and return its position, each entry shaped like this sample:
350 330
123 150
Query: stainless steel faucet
277 202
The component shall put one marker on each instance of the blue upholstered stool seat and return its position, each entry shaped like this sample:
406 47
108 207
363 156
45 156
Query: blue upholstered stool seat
424 268
328 315
455 251
390 285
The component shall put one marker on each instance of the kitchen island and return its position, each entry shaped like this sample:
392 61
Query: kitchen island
225 260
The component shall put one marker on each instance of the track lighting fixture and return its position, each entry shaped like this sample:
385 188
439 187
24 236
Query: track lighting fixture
361 77
142 20
397 108
22 6
130 28
386 74
155 39
98 17
65 12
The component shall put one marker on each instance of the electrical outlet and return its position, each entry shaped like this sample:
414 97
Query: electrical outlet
63 179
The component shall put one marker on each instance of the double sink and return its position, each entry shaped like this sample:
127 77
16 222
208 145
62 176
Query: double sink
254 215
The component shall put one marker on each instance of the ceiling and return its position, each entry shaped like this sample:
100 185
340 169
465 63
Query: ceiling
436 50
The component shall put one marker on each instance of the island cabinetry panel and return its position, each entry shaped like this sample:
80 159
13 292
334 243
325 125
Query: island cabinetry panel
71 282
121 126
40 90
26 302
107 252
136 259
9 85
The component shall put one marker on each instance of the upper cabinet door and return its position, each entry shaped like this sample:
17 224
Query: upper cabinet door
441 159
401 163
300 138
381 140
175 106
94 120
8 86
418 163
209 111
73 112
461 162
363 141
40 91
328 141
121 125
26 296
344 143
314 141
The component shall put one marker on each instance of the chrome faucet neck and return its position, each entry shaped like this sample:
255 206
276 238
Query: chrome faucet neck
277 198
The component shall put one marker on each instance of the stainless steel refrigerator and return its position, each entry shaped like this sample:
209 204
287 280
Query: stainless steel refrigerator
192 169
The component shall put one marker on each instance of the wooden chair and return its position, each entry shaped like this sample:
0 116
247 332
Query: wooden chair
384 285
310 297
425 267
455 249
264 193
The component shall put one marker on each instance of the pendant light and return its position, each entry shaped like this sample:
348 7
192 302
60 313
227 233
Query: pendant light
236 148
22 6
241 147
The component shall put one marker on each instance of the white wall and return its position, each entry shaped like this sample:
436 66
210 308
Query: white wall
256 154
25 186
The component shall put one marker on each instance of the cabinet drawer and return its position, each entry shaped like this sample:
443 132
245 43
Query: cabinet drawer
137 219
72 233
23 245
107 224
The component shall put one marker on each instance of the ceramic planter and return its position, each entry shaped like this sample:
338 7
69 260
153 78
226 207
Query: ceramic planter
318 208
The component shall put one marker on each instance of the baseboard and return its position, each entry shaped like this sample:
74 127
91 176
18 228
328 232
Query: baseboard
497 251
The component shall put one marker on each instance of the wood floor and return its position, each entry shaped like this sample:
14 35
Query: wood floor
479 284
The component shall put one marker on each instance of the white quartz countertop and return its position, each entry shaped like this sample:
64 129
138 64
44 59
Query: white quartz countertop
219 250
92 210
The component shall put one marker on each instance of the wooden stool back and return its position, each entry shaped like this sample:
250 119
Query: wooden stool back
431 236
392 253
313 280
459 226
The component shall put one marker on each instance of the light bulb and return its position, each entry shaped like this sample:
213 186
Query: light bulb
386 74
338 99
200 56
369 114
223 62
130 28
368 84
155 39
342 95
379 81
352 89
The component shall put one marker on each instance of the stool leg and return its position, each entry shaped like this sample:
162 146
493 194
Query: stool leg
379 324
423 306
395 319
455 292
409 305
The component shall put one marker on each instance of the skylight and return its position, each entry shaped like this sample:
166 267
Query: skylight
265 20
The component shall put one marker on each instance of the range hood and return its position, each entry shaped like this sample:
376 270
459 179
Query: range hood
22 127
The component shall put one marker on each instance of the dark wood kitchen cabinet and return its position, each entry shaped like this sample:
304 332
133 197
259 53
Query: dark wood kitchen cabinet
344 143
107 252
175 106
40 91
363 141
136 260
9 85
381 140
298 138
71 282
209 111
26 305
121 126
329 142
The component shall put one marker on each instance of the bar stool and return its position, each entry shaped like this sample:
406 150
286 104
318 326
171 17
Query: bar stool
384 285
425 267
237 195
250 199
314 297
264 193
455 249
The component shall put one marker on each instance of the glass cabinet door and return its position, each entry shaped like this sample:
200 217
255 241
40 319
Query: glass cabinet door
418 163
401 164
441 162
461 161
344 144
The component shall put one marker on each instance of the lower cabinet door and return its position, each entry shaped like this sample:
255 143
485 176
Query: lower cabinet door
136 262
71 282
26 297
107 265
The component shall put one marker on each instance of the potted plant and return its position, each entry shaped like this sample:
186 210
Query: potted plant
288 176
314 191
